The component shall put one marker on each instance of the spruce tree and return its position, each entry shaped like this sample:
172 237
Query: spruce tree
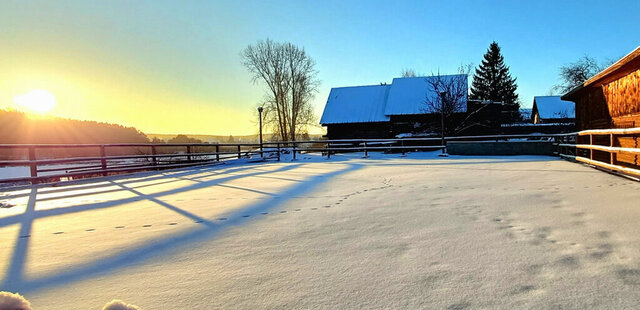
492 81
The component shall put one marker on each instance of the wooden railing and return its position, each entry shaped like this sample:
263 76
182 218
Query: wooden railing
152 157
615 150
400 145
149 157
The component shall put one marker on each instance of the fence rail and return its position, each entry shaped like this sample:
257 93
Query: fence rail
41 169
150 157
603 149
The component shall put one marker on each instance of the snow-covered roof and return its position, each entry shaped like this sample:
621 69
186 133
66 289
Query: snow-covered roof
375 103
550 107
358 104
408 95
526 113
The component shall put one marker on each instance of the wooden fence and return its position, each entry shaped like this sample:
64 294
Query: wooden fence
156 156
145 157
615 150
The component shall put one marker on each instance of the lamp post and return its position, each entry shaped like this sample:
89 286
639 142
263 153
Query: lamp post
444 151
260 121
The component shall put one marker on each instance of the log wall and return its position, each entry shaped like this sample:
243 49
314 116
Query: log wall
623 95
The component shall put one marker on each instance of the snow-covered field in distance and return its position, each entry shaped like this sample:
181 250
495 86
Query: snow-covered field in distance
383 232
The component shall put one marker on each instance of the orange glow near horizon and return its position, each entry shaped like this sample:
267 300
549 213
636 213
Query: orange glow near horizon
116 97
85 90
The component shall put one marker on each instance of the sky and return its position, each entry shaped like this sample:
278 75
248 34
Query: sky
174 66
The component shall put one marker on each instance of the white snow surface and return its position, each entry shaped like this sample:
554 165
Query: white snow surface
386 232
550 107
408 95
375 103
358 104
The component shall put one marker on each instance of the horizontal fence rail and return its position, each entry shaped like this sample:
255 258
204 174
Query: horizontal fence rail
403 145
614 150
150 157
46 166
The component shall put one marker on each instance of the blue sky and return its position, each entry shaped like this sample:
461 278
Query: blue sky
183 56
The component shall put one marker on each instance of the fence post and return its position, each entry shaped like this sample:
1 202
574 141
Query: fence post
239 154
611 154
366 154
402 148
635 158
33 166
591 143
103 160
189 153
294 150
278 149
217 152
328 150
154 161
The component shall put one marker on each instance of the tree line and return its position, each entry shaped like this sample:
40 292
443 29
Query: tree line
20 128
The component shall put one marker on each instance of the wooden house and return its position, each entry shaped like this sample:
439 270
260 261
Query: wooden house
552 109
357 112
610 99
383 111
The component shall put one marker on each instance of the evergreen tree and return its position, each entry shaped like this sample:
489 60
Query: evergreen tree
492 81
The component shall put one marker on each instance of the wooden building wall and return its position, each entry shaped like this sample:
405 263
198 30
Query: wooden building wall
591 109
623 100
377 130
613 105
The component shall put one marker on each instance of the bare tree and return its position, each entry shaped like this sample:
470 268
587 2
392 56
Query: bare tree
576 73
291 79
450 94
408 72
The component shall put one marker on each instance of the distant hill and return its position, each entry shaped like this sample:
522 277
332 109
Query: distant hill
18 127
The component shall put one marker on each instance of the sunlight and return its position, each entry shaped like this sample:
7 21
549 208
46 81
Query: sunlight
37 100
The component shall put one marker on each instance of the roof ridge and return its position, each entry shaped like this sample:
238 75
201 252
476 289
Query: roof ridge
361 86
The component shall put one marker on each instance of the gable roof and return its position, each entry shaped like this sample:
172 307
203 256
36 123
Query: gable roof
550 107
358 104
627 64
408 95
375 103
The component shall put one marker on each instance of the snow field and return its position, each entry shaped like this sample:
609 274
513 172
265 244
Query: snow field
383 232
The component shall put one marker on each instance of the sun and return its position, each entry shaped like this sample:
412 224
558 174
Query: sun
37 100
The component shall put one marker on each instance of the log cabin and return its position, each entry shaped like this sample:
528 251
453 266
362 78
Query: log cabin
552 109
611 99
385 110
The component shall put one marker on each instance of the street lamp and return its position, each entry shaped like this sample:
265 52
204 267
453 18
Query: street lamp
260 120
442 96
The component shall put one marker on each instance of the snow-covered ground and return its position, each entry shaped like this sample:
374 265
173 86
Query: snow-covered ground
382 232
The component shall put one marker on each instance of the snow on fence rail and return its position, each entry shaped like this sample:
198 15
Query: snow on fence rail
604 141
66 167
